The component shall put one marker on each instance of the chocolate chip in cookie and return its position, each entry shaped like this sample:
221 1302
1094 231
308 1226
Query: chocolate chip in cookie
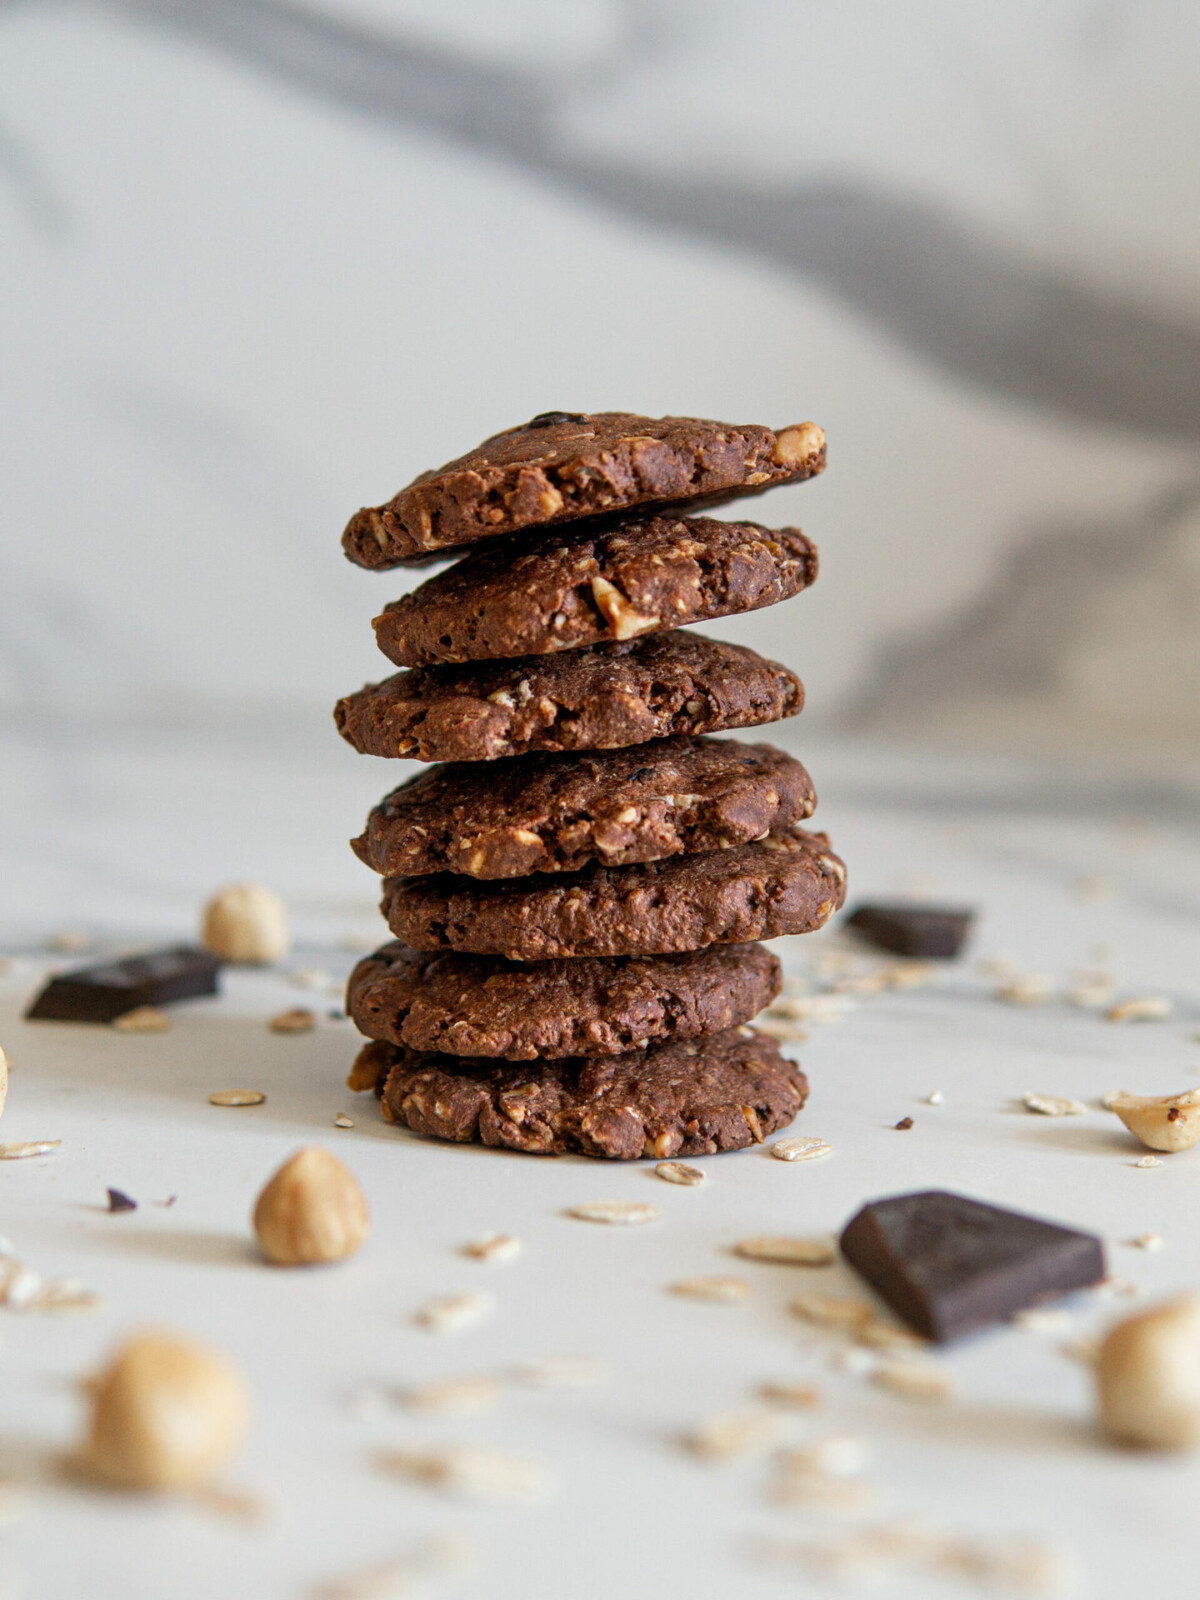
564 465
603 697
555 813
562 588
692 1097
523 1011
787 883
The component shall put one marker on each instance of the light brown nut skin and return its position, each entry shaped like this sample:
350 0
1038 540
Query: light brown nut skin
1162 1122
167 1414
1148 1378
311 1211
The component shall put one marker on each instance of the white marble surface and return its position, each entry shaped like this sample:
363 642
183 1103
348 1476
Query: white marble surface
1014 1452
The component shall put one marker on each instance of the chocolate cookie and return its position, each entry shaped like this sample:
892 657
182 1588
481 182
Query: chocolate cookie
555 813
687 1098
565 465
600 698
787 883
486 1006
561 589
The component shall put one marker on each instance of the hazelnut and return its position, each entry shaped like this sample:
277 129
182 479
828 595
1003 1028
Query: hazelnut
625 620
246 922
797 443
1161 1122
312 1210
1148 1377
166 1414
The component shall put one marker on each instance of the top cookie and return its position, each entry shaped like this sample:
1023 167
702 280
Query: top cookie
562 588
563 465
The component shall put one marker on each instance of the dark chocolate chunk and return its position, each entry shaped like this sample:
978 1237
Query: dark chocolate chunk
98 994
936 933
550 419
948 1264
118 1200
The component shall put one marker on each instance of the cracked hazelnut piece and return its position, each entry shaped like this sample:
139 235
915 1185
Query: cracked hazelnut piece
1161 1122
311 1211
1148 1377
167 1413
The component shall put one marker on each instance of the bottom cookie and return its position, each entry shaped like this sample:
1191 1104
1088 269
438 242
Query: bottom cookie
691 1097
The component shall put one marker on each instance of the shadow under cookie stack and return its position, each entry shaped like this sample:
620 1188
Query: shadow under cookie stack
578 885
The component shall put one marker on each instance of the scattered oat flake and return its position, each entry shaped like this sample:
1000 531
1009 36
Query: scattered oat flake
1052 1105
142 1019
678 1172
913 1381
405 1575
343 1121
832 1311
801 1149
1147 1241
29 1147
1144 1008
298 1020
782 1031
494 1247
876 1334
859 1363
68 939
797 1396
237 1097
1033 990
1115 1288
808 1008
561 1372
838 1456
1147 1161
118 1200
616 1213
451 1312
791 1487
477 1472
459 1397
724 1438
787 1251
722 1291
934 1098
309 978
1044 1319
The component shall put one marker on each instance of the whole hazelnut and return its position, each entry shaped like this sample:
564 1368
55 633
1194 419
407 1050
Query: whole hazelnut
312 1210
166 1414
246 923
1148 1376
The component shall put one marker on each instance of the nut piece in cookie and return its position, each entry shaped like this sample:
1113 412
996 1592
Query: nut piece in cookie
485 1006
605 697
786 883
695 1097
579 465
563 588
555 813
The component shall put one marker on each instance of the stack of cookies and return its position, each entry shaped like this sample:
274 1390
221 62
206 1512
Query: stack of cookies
578 884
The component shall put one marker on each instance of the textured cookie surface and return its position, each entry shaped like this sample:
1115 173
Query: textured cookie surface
687 1098
560 589
601 698
563 465
555 813
787 883
486 1006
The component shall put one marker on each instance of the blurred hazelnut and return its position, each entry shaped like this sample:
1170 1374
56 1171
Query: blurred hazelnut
248 923
1148 1377
166 1414
312 1210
